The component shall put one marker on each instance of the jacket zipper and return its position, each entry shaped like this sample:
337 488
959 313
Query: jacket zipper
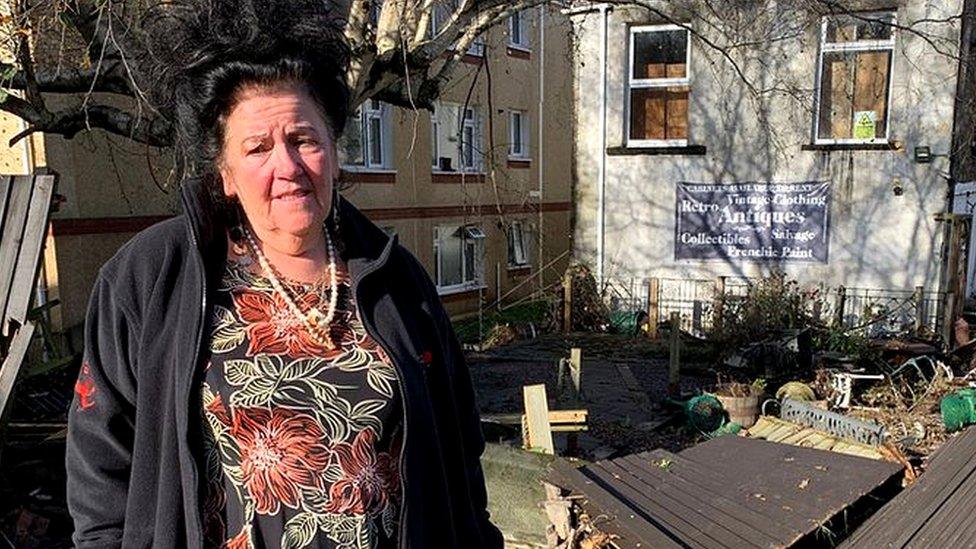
194 474
401 530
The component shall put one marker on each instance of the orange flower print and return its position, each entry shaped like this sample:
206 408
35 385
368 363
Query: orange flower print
273 328
368 477
281 452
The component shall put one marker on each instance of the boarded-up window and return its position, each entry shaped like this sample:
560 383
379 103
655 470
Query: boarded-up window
659 86
855 76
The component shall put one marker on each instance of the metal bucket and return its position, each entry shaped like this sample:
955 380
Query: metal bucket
741 410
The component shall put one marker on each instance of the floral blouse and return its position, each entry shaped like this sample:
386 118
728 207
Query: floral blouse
302 443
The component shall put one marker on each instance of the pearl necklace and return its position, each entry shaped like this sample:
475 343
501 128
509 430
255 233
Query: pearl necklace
316 322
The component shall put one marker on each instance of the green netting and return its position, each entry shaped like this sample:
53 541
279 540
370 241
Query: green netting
959 409
627 322
705 413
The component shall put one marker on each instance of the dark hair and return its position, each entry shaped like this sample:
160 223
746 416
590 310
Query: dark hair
208 52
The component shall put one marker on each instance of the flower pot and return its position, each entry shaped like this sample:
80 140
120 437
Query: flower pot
741 410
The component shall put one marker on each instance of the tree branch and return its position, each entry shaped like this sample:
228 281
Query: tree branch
71 80
156 132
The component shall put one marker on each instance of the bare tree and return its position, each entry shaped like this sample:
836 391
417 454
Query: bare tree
401 51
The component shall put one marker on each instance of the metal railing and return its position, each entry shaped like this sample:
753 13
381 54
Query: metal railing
878 311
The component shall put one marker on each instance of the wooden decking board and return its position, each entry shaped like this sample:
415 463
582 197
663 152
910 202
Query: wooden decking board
935 500
935 507
632 529
11 364
745 522
677 525
4 197
728 492
702 515
13 233
942 528
706 480
29 258
839 477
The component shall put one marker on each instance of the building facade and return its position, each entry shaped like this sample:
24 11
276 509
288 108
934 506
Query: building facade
766 135
476 190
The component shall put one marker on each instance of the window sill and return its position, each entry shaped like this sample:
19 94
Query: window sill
519 163
457 293
359 175
519 269
519 52
466 58
679 150
887 146
456 177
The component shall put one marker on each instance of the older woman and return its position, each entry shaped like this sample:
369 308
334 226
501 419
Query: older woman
269 368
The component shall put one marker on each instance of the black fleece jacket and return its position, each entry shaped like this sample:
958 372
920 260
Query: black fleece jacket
134 428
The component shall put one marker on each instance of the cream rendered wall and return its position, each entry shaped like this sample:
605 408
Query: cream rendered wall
877 239
514 84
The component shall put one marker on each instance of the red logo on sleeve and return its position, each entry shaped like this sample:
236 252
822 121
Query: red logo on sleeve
85 388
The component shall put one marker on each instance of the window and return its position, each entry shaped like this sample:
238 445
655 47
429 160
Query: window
367 142
854 78
442 14
456 135
518 245
658 86
518 134
458 256
518 31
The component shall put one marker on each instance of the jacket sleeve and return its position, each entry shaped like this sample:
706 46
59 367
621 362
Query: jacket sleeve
468 417
101 422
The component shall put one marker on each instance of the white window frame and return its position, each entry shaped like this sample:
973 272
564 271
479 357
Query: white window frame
475 145
518 145
441 13
517 23
374 110
469 281
644 83
435 149
847 47
517 229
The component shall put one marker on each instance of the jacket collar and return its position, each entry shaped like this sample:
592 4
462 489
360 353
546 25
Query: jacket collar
365 246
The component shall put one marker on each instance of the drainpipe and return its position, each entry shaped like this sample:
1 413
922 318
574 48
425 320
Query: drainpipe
539 143
601 183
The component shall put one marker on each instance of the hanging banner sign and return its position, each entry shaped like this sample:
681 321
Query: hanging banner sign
781 222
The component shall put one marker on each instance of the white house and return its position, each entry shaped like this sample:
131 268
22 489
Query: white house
729 138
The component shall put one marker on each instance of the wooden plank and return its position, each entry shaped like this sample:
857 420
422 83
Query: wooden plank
555 417
29 260
758 523
11 364
653 308
711 513
919 309
635 531
674 356
567 302
899 519
5 181
673 520
941 490
538 435
834 477
10 241
708 481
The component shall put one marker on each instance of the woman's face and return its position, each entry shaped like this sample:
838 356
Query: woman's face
279 161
